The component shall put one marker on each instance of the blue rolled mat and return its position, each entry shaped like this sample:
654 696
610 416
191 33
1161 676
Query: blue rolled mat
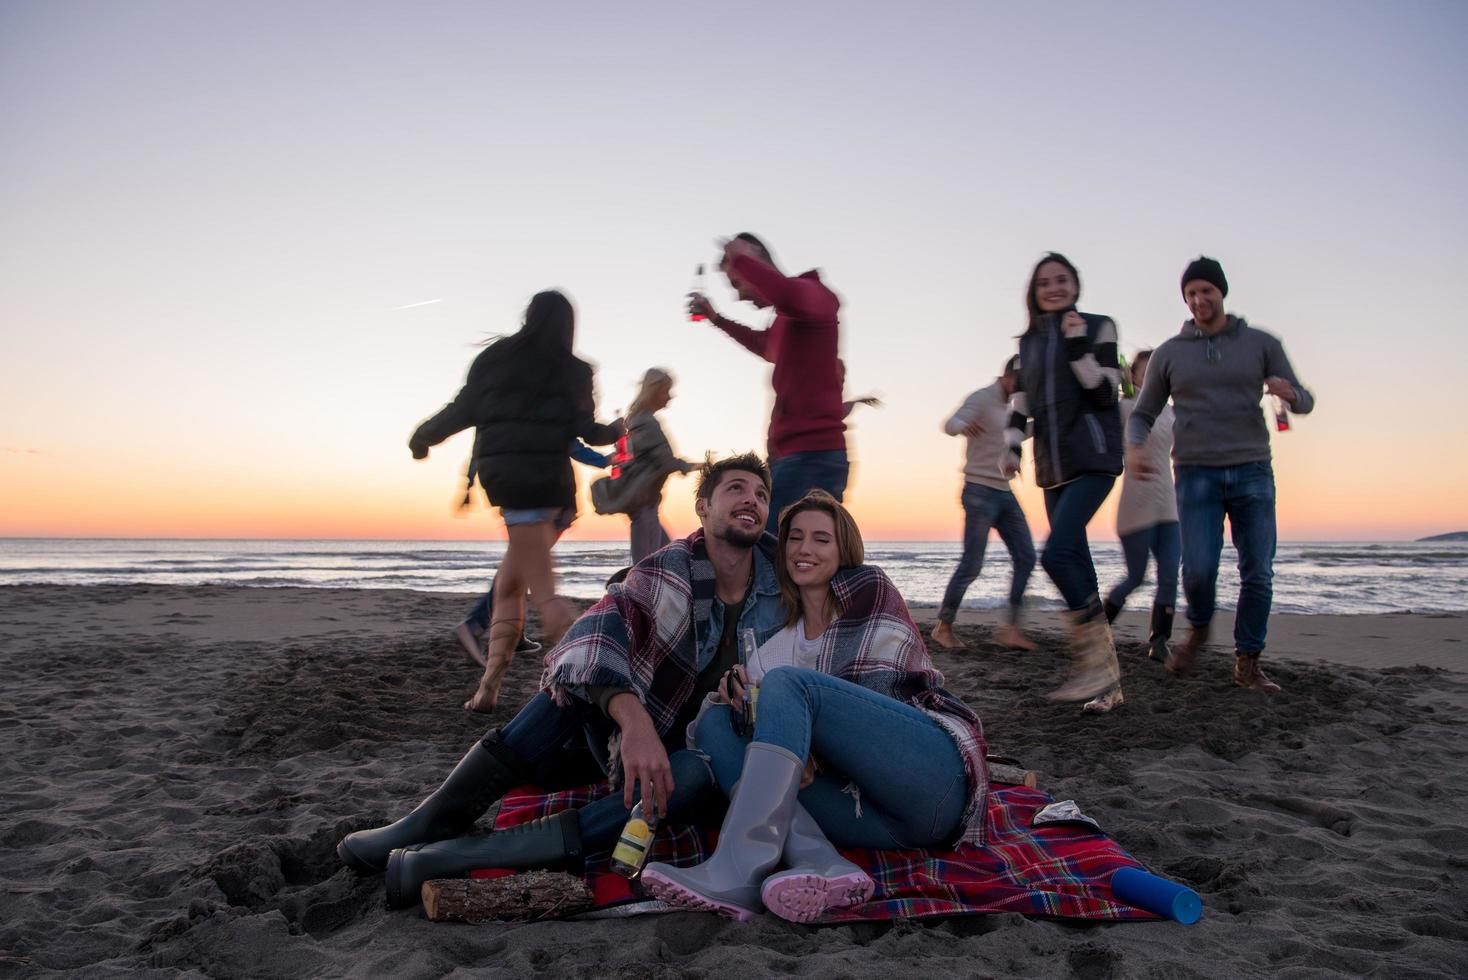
1157 895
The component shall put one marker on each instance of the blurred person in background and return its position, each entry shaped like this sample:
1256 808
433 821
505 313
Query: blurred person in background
1146 523
1068 378
528 396
637 488
988 503
1215 371
807 441
473 632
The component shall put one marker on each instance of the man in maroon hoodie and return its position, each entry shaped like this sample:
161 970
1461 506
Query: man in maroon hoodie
807 438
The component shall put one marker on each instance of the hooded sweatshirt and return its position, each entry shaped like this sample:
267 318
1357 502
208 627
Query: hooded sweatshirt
802 345
1216 384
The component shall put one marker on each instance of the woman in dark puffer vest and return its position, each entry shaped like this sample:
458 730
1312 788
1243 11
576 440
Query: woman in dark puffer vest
527 396
1069 374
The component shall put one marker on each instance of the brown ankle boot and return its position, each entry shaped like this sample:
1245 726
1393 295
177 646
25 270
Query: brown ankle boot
1180 659
1248 675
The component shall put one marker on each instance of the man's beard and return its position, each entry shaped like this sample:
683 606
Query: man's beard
740 537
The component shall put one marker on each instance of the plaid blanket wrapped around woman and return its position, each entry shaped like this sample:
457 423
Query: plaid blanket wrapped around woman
641 635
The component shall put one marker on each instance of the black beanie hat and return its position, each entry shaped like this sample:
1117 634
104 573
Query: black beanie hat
1208 270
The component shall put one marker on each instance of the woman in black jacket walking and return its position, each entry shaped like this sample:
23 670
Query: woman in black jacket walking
1069 373
527 396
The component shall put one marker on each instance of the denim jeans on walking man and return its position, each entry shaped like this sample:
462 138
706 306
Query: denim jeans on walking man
985 508
793 476
1163 541
891 777
1067 554
1245 495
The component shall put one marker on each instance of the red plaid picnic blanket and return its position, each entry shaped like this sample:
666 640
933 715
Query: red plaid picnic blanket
1057 871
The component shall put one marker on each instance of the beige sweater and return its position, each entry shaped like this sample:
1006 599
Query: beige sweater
1147 503
984 454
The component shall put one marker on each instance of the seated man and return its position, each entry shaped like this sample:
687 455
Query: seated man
635 667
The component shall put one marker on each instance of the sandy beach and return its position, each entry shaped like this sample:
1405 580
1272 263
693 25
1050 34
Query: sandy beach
177 764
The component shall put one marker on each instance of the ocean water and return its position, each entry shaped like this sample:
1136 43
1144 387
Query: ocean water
1310 577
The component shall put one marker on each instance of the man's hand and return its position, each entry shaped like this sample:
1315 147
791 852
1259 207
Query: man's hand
644 760
1137 463
1282 389
418 449
699 305
1009 466
1073 324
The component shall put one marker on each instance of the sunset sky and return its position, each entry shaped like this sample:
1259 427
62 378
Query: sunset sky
246 248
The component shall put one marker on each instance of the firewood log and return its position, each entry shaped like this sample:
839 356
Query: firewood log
521 897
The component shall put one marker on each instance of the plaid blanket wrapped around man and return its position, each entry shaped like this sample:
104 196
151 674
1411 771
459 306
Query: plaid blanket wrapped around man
1057 871
643 635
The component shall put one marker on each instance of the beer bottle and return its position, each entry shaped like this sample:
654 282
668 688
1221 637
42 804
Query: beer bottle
748 651
1128 389
630 854
1281 414
698 287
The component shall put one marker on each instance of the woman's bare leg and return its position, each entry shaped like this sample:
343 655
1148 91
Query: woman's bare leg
538 570
527 565
507 624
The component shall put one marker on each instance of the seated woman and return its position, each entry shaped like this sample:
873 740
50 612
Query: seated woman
855 740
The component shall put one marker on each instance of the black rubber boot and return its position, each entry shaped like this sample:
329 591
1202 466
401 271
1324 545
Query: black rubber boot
479 779
551 843
1112 611
1160 634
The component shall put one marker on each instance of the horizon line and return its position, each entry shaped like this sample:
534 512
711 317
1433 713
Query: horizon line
616 540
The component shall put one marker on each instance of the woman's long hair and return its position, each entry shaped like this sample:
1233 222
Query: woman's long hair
539 353
1032 302
654 379
850 552
549 324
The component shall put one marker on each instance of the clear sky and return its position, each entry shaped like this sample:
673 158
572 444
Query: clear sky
215 221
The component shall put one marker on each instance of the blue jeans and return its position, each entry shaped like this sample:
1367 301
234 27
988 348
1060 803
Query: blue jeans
1164 543
1245 495
890 778
479 616
560 748
983 508
1067 554
798 473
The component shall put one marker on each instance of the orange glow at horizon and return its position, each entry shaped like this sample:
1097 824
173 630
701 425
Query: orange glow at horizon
47 499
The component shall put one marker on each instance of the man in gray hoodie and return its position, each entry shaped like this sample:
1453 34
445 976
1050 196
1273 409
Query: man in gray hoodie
1214 371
